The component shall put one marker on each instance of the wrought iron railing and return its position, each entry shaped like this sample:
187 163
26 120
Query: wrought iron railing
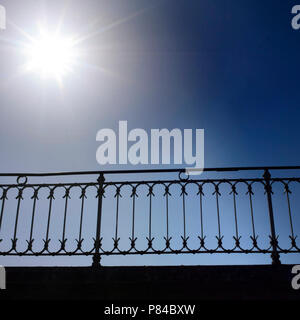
109 215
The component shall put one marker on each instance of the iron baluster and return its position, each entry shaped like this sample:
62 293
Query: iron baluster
275 255
96 256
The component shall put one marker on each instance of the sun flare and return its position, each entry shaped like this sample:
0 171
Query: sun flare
51 55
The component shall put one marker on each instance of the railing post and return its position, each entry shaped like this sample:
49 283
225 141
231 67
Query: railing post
97 257
275 255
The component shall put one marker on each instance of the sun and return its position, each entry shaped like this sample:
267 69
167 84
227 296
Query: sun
51 55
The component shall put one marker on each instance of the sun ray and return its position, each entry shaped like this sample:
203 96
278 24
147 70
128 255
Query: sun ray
62 16
21 31
113 25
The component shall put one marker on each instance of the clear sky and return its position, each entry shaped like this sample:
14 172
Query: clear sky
230 67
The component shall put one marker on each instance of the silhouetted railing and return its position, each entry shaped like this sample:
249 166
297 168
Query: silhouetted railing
173 215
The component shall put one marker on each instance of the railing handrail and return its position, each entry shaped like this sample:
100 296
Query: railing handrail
180 170
200 240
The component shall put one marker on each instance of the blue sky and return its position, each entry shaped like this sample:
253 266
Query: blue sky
230 67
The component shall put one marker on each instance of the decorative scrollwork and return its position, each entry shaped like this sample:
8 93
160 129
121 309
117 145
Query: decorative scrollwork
172 216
